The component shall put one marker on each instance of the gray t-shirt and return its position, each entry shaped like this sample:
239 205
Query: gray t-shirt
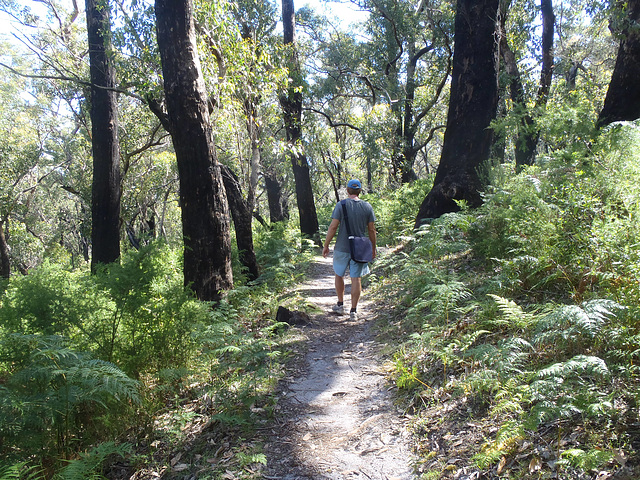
360 214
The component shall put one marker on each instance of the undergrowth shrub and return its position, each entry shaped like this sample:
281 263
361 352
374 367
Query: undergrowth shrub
281 251
525 310
136 314
395 210
54 397
135 319
515 221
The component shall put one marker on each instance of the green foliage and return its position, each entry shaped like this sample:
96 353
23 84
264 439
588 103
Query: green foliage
56 401
280 251
395 210
55 396
515 221
526 309
136 314
587 460
240 364
91 463
573 387
21 471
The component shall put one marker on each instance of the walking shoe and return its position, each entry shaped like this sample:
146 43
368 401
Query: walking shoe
353 316
339 309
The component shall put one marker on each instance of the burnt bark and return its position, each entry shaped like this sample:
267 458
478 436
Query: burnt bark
472 105
291 102
5 262
623 96
241 215
278 205
105 196
205 212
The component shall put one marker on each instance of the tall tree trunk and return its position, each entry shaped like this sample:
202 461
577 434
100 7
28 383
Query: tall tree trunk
472 105
241 214
278 206
623 96
5 262
528 131
292 109
105 197
407 173
205 212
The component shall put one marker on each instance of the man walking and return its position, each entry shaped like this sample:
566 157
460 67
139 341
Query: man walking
361 223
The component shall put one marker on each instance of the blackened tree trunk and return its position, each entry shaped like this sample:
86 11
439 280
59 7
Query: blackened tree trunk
242 217
105 197
205 212
472 105
5 262
292 109
623 97
278 205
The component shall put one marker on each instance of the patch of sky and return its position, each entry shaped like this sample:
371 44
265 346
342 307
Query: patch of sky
344 13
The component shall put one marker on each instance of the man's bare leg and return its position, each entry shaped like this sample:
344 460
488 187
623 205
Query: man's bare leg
339 281
356 289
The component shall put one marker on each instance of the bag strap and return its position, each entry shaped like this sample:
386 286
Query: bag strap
346 217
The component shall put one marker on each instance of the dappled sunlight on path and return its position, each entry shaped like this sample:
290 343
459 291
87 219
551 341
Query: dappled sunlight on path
337 419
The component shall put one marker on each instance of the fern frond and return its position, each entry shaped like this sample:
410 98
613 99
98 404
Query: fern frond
90 464
577 366
21 471
570 323
512 313
98 379
602 309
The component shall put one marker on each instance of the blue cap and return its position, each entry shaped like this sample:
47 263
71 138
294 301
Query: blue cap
355 183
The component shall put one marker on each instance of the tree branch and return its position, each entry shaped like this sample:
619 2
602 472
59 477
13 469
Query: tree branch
432 133
332 124
72 79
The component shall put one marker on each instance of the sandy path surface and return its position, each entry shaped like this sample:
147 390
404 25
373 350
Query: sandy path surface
337 418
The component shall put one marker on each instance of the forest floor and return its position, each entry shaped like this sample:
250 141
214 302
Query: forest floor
337 418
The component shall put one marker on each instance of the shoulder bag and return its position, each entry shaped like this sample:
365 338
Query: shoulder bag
361 247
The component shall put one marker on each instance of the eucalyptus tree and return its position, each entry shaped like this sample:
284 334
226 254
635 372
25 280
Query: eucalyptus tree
528 130
105 198
20 155
149 207
472 107
291 101
623 97
246 79
205 211
36 151
55 40
407 66
336 103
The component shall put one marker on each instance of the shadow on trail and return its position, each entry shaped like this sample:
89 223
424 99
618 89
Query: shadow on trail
336 418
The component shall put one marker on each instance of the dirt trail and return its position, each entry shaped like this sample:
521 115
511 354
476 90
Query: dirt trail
337 418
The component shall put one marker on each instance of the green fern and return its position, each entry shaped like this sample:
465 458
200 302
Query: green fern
509 435
586 460
44 397
513 316
90 464
21 471
571 325
569 388
506 358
